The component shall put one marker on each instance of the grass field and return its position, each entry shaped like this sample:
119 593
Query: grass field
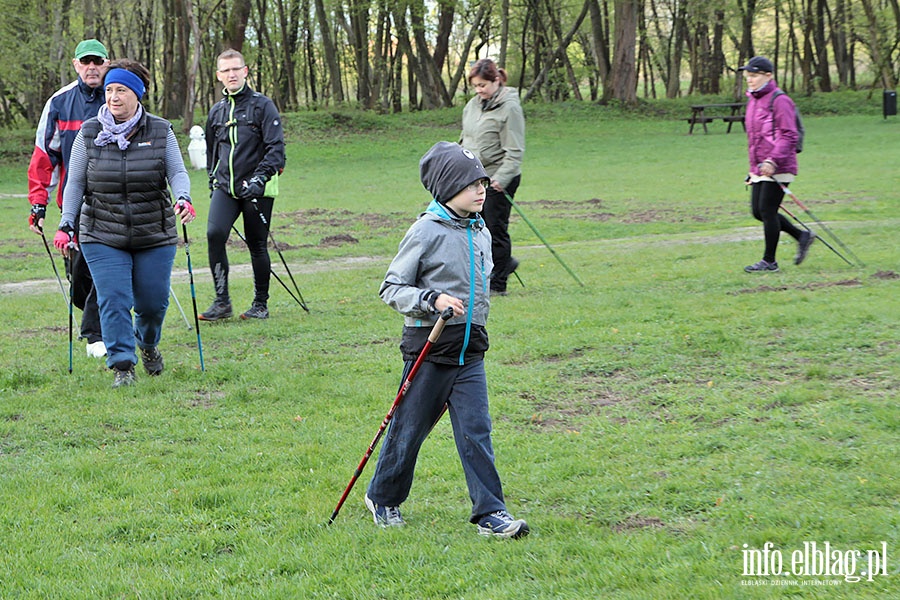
656 427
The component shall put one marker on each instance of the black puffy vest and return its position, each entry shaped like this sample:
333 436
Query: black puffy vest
126 197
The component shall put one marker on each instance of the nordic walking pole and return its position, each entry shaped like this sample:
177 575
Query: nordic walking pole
824 227
55 271
538 233
432 338
187 251
181 310
821 239
71 301
262 218
274 274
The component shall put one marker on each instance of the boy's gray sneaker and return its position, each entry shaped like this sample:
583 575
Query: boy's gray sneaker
803 244
257 310
386 516
762 266
220 309
124 377
153 360
501 524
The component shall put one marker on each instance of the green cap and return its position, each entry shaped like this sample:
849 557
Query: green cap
91 48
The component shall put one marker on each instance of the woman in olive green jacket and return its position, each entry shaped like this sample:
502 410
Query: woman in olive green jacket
493 127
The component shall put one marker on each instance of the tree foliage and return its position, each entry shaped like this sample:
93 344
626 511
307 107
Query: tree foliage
393 55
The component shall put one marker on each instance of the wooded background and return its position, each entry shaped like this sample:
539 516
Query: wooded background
395 55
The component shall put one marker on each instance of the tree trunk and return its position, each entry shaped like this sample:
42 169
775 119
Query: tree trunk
331 58
600 44
236 26
624 81
820 40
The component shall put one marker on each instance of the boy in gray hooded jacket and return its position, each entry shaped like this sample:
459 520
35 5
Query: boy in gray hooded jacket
444 261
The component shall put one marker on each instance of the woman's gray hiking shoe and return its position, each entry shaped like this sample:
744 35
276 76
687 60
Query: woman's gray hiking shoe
153 360
803 244
762 266
501 524
386 516
220 309
257 310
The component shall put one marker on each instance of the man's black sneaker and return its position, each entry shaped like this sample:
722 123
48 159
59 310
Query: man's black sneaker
803 244
220 309
257 310
386 516
124 377
153 360
501 524
762 266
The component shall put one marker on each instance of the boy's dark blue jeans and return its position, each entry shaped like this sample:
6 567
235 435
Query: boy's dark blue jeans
464 388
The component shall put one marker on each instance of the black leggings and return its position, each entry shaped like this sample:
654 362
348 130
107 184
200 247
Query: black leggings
765 198
223 212
495 213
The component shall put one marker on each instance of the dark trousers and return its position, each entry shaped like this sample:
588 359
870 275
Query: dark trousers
464 389
223 212
765 198
84 296
496 216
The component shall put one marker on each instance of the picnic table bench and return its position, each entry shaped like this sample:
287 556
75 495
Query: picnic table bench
707 113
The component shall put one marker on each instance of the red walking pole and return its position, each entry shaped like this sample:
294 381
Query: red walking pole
432 338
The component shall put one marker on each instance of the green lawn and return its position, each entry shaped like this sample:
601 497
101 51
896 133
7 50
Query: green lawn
656 427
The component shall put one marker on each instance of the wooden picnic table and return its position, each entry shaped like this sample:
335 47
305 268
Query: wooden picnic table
707 113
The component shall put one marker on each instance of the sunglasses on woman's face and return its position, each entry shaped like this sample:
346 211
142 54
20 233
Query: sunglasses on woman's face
97 60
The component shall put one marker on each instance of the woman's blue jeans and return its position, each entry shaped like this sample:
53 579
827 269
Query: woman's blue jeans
464 389
126 279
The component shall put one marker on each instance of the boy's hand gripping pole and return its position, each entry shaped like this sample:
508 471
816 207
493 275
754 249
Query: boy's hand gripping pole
432 338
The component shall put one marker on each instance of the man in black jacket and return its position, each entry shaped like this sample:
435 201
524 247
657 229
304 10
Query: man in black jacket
244 156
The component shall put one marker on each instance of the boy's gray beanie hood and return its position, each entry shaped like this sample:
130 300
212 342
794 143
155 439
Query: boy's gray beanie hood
447 168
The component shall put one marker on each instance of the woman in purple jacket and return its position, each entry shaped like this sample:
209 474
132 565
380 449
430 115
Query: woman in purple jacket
772 147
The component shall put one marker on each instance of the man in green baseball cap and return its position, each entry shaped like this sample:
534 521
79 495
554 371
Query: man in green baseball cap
60 122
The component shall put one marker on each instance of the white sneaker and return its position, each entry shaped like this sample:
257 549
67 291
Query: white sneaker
96 350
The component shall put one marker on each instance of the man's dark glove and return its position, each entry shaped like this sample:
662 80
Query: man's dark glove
38 212
213 184
254 188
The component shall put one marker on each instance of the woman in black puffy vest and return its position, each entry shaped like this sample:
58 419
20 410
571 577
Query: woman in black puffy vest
123 163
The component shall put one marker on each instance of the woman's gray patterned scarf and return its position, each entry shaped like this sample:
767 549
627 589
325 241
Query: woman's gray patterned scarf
116 132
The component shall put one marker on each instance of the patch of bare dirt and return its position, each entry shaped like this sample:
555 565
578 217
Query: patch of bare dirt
885 275
813 285
637 522
337 240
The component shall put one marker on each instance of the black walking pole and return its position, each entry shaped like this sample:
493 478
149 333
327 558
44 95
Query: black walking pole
538 233
55 271
821 239
187 251
274 274
432 338
824 227
262 218
71 301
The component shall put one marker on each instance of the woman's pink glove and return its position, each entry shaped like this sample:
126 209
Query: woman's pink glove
64 239
185 210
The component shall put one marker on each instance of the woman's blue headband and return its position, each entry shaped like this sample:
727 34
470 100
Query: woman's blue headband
126 78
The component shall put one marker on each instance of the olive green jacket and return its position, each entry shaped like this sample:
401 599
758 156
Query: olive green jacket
495 131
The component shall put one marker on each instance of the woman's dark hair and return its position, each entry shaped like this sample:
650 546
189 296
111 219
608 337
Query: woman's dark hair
488 70
132 66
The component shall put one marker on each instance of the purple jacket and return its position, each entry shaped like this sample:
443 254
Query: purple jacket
778 143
